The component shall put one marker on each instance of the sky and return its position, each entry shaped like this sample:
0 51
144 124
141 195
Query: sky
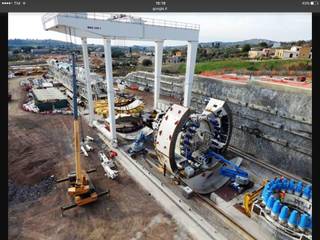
227 27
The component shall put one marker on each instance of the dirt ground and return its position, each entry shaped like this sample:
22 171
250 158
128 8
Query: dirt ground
40 150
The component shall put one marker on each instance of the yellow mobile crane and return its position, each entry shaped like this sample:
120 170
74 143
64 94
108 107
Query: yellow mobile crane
81 188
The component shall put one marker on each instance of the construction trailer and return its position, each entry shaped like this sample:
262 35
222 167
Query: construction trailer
49 99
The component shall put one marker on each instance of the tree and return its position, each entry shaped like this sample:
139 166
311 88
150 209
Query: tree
27 49
182 59
117 53
246 48
301 42
146 62
263 44
15 51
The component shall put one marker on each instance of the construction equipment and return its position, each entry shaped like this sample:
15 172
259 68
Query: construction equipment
81 188
153 119
122 106
84 151
126 123
88 138
138 146
249 198
108 164
239 178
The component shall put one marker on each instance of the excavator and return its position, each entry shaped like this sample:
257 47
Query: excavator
81 188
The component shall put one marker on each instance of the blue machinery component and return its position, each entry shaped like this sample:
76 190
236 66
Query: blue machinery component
304 222
283 214
276 209
298 189
293 219
138 146
287 205
270 203
237 172
307 191
291 186
239 178
265 196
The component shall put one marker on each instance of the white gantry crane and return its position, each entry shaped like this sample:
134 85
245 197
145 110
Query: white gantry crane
121 26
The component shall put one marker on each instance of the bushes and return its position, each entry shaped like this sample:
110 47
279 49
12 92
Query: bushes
146 62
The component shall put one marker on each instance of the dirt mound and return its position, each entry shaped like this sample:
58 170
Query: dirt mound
21 193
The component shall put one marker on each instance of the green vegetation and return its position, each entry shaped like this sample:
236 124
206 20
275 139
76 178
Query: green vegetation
211 54
246 65
246 48
117 53
146 62
264 45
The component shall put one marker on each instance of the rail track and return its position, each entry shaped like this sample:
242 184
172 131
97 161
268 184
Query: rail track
237 227
266 165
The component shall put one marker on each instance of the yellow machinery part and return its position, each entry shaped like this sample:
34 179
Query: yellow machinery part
78 190
77 158
102 109
249 198
84 201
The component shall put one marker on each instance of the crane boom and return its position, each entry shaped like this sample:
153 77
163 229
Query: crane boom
81 187
76 129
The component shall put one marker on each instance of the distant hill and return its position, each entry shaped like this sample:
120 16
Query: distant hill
240 43
35 43
49 43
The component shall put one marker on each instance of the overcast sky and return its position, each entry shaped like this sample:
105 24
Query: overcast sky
213 26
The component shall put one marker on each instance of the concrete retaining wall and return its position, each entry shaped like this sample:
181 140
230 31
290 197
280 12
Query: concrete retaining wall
271 122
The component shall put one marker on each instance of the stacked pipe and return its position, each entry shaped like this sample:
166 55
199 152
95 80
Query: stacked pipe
272 202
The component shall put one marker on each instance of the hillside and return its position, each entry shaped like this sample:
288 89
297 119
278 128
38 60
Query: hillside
253 66
240 43
35 43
